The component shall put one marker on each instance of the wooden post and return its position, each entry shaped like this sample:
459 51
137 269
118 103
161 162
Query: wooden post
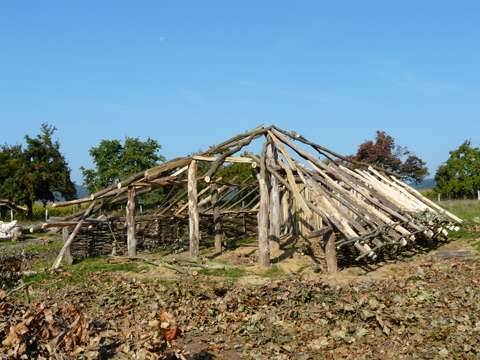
275 210
263 243
478 195
11 210
46 214
68 255
193 217
131 239
331 252
439 197
217 224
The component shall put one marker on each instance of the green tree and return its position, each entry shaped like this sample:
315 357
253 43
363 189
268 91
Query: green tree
36 172
459 176
46 171
385 153
12 163
114 161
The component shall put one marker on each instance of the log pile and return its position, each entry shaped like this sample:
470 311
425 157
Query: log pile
297 188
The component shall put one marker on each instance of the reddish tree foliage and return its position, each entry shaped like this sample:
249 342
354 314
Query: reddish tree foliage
383 152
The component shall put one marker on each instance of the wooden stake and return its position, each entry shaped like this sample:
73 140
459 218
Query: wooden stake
331 252
263 243
131 239
68 255
193 216
217 225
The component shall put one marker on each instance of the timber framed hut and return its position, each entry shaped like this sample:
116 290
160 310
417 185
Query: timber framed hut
294 188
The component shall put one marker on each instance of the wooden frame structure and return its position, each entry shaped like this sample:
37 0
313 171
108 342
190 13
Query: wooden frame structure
348 208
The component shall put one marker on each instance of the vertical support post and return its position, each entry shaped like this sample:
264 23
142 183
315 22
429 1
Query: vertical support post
46 214
193 217
263 243
478 195
331 252
68 255
439 197
11 212
217 221
131 239
275 213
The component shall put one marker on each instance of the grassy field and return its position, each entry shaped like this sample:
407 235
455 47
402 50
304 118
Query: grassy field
39 213
468 210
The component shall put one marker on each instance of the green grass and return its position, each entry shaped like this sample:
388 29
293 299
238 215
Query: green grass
468 210
79 273
246 241
228 272
273 272
39 212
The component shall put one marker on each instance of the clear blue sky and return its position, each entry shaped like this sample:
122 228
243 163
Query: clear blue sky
190 73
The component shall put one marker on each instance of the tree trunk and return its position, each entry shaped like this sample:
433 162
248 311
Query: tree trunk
30 209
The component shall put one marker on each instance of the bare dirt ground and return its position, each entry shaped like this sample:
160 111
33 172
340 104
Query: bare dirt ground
224 307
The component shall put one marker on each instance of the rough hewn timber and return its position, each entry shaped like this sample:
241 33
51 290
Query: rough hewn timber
193 217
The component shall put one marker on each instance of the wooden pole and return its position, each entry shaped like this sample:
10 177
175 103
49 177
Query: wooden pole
263 243
11 211
331 252
275 210
217 225
131 239
68 255
193 216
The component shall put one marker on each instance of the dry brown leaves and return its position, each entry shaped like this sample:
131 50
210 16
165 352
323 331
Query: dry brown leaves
47 330
10 271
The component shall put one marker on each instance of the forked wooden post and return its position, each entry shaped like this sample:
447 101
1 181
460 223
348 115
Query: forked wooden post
68 255
263 242
331 251
131 238
217 221
193 217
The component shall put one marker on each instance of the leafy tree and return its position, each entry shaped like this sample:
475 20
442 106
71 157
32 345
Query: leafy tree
114 161
12 163
46 171
36 172
459 176
383 152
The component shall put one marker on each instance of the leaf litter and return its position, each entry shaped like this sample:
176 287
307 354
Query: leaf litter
432 310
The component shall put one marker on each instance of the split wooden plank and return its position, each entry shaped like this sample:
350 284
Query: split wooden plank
428 201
